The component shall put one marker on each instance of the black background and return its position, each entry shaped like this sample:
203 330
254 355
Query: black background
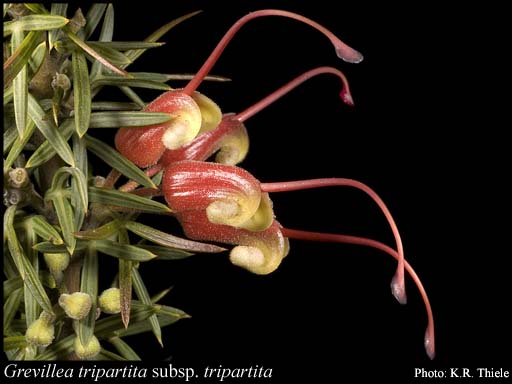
424 134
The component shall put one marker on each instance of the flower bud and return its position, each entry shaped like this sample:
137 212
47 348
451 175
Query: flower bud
228 195
210 112
42 331
229 139
145 145
77 305
18 177
89 351
56 261
110 301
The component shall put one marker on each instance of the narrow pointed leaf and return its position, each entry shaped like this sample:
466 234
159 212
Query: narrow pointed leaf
47 247
59 179
24 267
125 287
134 54
13 283
50 131
126 45
14 64
38 57
113 325
100 233
168 240
45 151
31 305
160 295
65 216
11 305
124 349
118 161
59 9
14 342
126 200
59 350
77 186
36 8
114 106
81 92
144 326
132 95
8 94
10 135
107 31
171 312
93 18
18 145
143 295
89 285
129 82
45 230
117 119
123 251
37 22
95 54
110 54
106 355
125 281
20 87
166 253
10 285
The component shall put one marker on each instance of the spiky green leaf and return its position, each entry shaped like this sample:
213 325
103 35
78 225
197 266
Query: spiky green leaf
49 130
110 54
100 233
25 269
59 9
44 229
129 82
134 54
126 200
45 151
89 285
123 251
47 247
36 22
20 85
116 119
118 161
143 295
168 240
18 145
11 305
124 349
14 342
81 93
166 253
93 18
91 52
15 63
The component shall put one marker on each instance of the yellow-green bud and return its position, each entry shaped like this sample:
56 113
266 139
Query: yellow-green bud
110 301
77 305
56 261
89 351
41 332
